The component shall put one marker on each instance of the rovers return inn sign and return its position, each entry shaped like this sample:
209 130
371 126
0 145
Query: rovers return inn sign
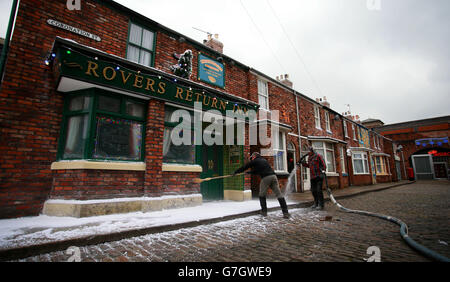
77 66
211 71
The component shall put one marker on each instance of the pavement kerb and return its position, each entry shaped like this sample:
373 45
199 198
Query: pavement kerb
27 251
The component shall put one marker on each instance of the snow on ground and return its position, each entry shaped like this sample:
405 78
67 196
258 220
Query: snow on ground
27 231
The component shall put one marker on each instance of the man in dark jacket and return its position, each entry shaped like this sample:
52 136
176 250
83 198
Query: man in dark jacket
317 168
261 167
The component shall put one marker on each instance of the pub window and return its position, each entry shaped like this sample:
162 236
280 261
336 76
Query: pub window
140 45
98 125
177 153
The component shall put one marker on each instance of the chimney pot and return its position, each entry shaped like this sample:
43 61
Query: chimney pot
214 43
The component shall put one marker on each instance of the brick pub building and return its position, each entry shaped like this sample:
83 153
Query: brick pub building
87 105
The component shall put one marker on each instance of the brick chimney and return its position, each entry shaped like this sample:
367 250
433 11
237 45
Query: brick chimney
214 43
323 101
285 80
349 115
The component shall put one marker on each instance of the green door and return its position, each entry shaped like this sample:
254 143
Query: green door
212 163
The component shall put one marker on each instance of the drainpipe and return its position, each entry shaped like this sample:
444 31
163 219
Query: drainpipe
299 138
7 37
346 157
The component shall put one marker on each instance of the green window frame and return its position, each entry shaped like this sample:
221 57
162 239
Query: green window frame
181 154
136 42
100 125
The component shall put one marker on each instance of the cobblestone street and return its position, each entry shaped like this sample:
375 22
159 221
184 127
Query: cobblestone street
423 206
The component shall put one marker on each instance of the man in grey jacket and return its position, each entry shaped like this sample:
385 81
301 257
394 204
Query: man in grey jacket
261 167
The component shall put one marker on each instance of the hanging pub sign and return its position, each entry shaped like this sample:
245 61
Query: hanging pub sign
211 71
73 29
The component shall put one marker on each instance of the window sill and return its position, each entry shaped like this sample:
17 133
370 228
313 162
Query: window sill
332 174
106 165
281 173
182 168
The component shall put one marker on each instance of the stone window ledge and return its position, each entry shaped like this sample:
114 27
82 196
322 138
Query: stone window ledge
85 164
182 168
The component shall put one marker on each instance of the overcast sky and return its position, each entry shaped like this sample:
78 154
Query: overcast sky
388 59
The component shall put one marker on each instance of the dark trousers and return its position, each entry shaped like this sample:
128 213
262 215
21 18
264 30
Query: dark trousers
316 190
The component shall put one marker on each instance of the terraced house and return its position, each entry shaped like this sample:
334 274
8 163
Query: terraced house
90 100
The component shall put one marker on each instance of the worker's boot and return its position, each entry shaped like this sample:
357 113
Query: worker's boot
284 207
262 201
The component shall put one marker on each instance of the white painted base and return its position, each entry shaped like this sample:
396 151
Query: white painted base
77 208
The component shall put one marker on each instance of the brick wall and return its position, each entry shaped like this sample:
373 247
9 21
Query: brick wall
179 183
30 109
96 184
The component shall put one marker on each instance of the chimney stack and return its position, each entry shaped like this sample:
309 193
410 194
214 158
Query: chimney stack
323 101
214 43
284 78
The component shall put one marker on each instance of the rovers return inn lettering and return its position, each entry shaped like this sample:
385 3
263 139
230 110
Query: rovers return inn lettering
81 67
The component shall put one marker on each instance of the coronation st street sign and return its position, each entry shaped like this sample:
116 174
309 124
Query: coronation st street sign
73 29
81 67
